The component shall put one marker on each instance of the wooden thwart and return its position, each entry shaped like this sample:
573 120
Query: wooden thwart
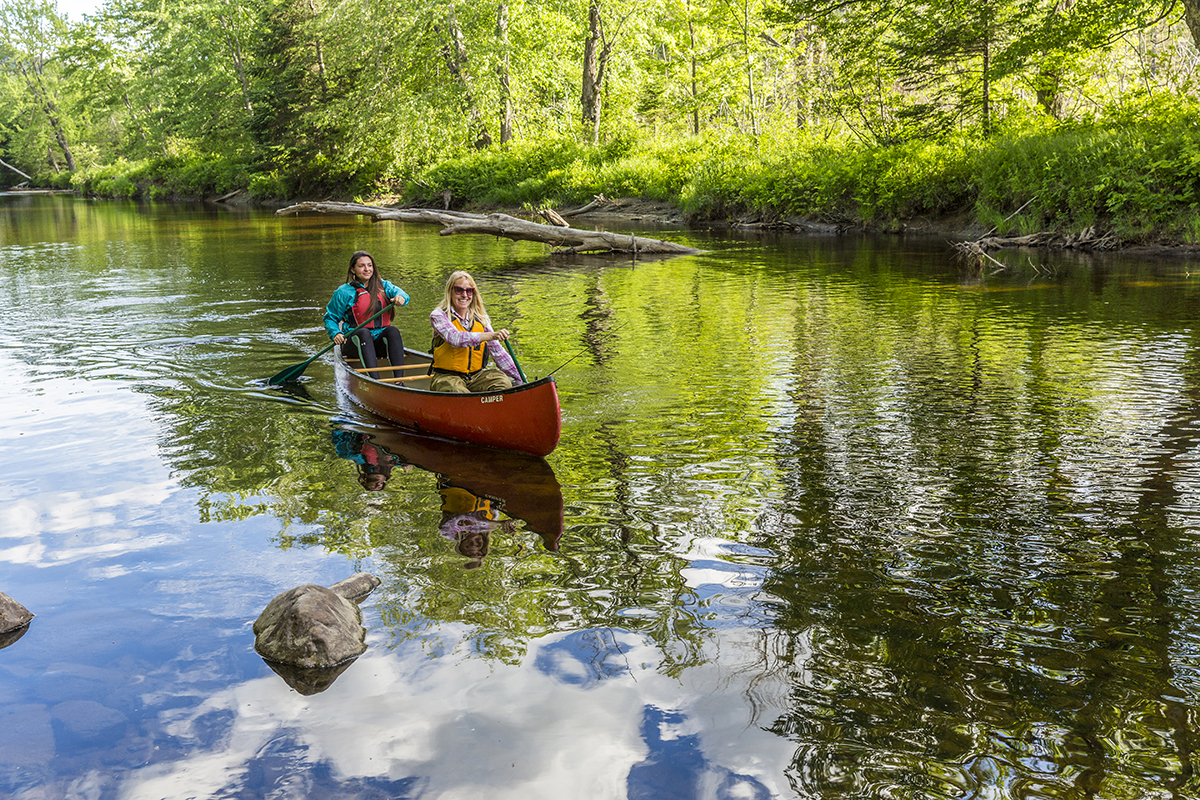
424 365
402 380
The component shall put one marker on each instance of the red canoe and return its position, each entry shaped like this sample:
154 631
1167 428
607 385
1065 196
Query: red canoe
525 418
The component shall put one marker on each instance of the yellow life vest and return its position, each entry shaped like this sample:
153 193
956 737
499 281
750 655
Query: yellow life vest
460 501
448 358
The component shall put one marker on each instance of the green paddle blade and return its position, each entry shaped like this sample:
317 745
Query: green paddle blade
290 374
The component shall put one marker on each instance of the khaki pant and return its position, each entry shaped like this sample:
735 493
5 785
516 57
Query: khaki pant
486 380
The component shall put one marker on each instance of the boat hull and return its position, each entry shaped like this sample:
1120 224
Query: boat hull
525 418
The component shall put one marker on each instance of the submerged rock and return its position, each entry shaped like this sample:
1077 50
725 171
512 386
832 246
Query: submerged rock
312 627
14 620
308 680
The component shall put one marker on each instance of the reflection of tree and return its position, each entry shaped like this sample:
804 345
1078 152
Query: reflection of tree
963 573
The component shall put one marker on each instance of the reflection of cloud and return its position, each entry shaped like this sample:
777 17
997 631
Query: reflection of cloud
68 508
463 727
95 495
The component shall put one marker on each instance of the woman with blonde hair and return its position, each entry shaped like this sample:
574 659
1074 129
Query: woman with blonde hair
463 340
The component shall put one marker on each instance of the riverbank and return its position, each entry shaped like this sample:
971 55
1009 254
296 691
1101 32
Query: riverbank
1127 180
954 228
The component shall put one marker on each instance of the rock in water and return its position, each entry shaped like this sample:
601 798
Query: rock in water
356 587
310 626
13 615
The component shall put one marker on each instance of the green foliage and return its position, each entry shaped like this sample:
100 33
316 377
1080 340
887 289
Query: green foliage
562 170
162 178
1137 166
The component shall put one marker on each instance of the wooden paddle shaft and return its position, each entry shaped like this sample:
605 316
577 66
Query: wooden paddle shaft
401 380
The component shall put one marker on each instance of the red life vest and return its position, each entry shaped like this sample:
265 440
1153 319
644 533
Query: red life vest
360 309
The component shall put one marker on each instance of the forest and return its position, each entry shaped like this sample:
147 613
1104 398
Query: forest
1018 115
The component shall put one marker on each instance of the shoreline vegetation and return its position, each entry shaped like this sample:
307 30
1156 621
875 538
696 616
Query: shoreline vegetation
1029 123
1128 178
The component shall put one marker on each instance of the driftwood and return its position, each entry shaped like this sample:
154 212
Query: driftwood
567 240
596 203
976 253
553 217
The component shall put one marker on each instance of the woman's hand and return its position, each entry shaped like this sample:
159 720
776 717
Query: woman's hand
500 335
338 338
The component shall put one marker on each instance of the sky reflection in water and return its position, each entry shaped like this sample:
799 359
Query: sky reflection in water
829 519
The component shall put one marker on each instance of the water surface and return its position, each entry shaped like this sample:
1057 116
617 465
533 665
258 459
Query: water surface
831 517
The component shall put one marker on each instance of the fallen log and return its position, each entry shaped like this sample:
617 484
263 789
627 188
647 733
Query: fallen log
14 169
566 240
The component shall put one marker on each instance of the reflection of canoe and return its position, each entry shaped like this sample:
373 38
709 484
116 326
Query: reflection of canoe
522 486
525 418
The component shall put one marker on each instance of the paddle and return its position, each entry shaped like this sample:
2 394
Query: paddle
520 371
296 370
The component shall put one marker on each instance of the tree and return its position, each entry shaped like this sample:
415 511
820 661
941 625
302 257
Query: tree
30 34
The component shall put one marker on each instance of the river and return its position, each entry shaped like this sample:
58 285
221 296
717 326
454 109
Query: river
831 517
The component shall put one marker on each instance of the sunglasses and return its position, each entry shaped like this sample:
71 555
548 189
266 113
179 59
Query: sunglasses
464 290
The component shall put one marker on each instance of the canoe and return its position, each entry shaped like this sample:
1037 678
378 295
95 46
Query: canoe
525 418
522 486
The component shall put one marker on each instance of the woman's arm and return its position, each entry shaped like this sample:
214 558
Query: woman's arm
335 312
441 323
394 292
504 361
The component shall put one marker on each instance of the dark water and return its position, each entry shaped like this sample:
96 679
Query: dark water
838 520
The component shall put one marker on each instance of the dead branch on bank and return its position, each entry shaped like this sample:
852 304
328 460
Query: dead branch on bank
1088 239
553 217
567 240
598 201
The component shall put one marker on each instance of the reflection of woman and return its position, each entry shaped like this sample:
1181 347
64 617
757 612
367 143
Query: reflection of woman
354 302
462 341
374 465
469 521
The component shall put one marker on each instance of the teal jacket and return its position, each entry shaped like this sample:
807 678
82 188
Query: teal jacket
337 313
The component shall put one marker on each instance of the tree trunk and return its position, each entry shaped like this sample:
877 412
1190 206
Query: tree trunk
33 80
694 69
320 54
589 99
455 53
506 110
239 63
751 99
1049 77
987 80
1191 16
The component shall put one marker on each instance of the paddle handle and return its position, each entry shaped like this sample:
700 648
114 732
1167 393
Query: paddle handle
347 336
520 371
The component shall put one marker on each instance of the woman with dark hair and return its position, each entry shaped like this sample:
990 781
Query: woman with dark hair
354 302
463 339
